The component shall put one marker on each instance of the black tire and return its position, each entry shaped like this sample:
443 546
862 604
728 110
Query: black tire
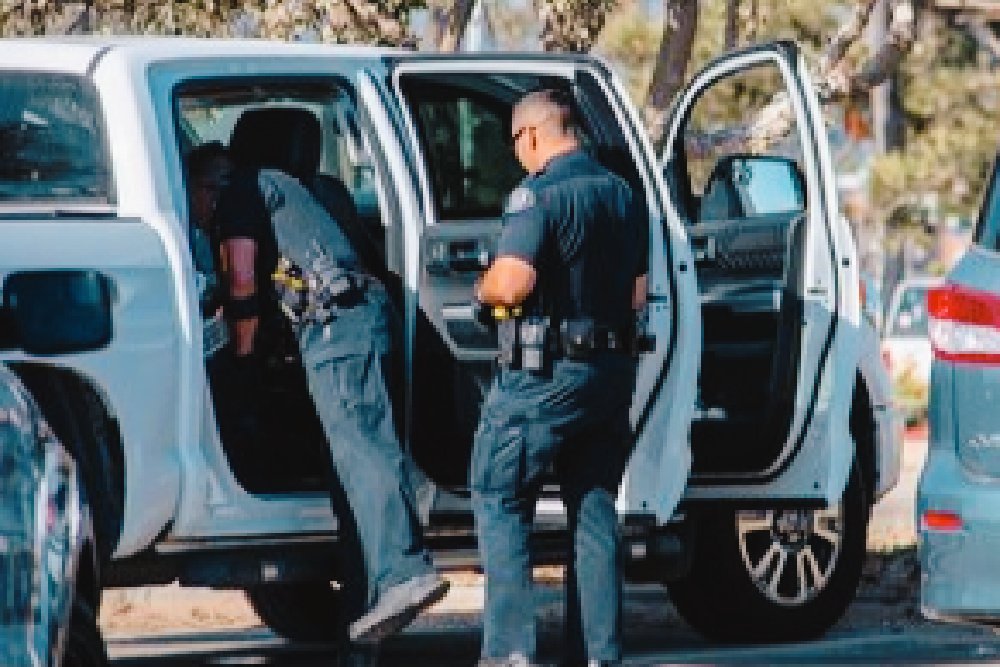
84 644
721 599
309 612
75 414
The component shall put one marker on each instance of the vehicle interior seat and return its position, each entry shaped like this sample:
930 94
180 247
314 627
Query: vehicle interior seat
290 139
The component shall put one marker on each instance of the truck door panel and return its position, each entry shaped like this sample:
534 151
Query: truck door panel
763 223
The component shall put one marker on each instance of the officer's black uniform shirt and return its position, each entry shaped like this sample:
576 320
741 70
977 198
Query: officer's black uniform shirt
586 234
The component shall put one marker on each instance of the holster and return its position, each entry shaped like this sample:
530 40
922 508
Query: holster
525 343
316 296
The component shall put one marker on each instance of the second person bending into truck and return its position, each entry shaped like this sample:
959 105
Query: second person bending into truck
283 250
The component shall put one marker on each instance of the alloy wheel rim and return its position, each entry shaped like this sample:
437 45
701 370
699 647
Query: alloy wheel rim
790 555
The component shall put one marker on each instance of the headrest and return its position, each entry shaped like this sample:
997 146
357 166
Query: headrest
285 138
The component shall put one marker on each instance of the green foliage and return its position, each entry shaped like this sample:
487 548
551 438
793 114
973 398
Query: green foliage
365 21
951 105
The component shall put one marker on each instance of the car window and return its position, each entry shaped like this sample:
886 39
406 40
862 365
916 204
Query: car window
909 320
713 149
209 113
52 141
466 144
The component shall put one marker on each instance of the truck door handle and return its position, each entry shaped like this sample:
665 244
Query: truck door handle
463 255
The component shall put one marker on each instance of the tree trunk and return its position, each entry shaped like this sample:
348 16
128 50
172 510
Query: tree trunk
732 23
836 83
680 23
450 22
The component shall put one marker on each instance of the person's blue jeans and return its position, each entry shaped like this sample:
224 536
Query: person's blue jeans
576 418
348 384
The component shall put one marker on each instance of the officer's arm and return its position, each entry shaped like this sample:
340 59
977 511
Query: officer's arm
507 282
240 257
639 292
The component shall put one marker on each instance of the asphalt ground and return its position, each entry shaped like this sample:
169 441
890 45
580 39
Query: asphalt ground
883 626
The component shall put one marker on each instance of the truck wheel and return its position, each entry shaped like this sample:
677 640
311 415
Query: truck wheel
84 645
774 575
306 612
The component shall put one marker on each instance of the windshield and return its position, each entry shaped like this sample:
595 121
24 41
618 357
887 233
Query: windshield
910 316
51 140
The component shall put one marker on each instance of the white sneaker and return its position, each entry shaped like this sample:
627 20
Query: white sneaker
398 606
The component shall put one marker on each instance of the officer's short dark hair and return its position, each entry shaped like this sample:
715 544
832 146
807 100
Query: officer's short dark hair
563 100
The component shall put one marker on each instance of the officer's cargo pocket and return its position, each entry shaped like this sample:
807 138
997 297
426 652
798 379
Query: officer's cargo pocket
498 456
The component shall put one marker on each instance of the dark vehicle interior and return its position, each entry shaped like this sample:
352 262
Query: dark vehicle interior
260 125
748 259
745 208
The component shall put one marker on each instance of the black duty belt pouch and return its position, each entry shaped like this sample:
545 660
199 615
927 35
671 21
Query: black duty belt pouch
578 337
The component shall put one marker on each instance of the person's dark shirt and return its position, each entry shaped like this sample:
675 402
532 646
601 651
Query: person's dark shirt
582 229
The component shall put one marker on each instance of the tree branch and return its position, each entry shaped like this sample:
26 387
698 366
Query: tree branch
777 119
680 23
845 37
977 28
836 84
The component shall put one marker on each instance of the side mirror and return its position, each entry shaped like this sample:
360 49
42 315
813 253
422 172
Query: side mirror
745 186
59 311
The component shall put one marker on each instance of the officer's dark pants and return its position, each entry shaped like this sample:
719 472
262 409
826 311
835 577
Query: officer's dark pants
346 366
577 418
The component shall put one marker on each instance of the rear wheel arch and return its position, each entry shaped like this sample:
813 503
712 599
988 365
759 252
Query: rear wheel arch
862 428
79 414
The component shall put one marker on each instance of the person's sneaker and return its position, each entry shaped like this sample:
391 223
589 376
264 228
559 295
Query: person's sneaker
398 606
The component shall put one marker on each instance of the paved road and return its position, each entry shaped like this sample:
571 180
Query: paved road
874 632
883 626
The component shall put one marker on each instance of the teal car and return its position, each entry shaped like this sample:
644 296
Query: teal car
47 578
958 498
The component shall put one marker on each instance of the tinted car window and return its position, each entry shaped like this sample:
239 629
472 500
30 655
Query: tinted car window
466 143
910 318
51 139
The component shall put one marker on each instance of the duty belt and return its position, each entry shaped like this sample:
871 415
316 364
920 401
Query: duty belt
316 296
531 343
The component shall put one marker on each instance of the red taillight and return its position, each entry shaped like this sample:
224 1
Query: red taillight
940 520
887 361
964 324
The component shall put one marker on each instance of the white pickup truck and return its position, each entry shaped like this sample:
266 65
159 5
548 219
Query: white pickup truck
763 436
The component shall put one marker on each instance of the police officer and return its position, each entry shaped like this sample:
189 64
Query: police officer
569 274
280 244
